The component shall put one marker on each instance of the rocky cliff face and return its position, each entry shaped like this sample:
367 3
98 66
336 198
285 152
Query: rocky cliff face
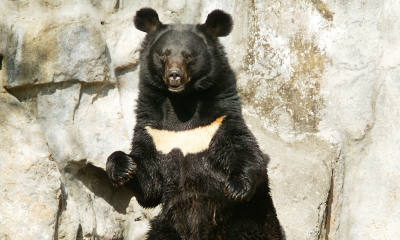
319 80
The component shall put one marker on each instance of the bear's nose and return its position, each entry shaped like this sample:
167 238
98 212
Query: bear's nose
175 76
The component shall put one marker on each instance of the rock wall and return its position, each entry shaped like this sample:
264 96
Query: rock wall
319 80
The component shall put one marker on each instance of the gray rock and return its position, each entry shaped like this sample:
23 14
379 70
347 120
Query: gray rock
29 178
49 50
300 179
318 81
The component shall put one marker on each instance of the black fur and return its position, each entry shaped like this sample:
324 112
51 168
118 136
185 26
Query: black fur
218 24
221 192
146 20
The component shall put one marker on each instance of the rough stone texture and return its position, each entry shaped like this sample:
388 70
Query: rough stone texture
319 80
29 178
300 178
366 66
46 50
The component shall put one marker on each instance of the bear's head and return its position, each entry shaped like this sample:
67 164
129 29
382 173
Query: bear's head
182 57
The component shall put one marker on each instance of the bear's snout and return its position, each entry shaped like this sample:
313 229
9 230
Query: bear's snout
175 74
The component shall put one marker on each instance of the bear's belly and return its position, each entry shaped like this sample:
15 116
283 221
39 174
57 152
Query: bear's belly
194 194
189 175
196 216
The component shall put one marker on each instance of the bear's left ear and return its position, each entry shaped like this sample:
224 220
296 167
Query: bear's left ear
218 24
146 20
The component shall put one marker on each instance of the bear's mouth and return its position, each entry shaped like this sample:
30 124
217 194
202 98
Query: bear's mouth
176 88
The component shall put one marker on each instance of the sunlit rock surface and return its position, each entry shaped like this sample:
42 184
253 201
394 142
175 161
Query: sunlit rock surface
319 82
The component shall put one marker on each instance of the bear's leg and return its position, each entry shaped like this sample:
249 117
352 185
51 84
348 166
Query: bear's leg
161 230
120 168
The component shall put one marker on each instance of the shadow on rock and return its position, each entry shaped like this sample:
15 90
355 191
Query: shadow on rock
97 181
267 159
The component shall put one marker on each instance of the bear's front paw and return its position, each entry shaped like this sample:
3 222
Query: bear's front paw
239 188
120 168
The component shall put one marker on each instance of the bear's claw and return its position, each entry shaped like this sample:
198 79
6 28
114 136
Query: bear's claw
239 189
120 168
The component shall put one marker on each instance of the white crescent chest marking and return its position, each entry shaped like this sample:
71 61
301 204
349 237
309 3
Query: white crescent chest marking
188 141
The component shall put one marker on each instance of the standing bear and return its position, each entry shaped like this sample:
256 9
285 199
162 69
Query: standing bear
192 151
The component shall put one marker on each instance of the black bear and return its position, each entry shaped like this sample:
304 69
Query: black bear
192 151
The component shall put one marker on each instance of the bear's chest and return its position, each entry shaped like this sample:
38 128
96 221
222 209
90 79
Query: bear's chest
190 141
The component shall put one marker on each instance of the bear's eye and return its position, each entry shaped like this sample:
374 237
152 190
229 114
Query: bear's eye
187 56
164 55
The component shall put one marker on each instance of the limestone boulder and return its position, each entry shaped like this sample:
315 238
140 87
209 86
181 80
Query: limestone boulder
29 180
318 81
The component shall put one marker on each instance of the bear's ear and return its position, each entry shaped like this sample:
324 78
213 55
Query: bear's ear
218 24
146 20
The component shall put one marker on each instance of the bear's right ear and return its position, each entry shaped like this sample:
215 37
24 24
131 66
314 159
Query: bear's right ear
146 20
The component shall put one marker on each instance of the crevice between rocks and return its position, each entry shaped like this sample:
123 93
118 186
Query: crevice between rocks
31 91
79 235
117 6
77 104
1 62
50 87
56 85
100 91
121 70
326 222
61 207
329 210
